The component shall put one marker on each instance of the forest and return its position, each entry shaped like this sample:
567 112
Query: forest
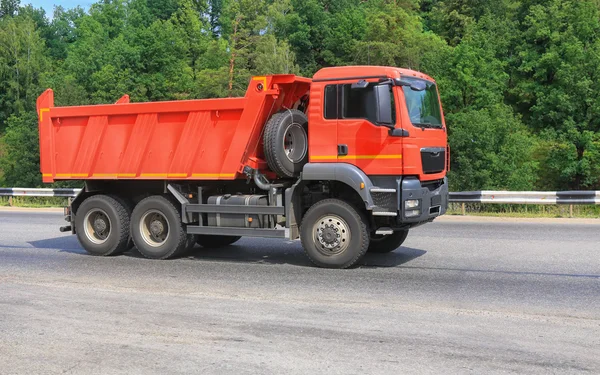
518 78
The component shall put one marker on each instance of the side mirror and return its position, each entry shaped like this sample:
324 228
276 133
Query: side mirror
415 85
383 105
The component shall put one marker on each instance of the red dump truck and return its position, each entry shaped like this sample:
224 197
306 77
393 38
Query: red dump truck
348 162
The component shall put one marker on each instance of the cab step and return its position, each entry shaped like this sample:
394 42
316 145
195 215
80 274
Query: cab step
381 190
384 231
384 213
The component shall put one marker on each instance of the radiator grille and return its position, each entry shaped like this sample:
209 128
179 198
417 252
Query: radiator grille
386 201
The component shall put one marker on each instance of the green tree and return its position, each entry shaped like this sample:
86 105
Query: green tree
194 29
9 8
305 29
451 18
243 21
61 32
559 67
20 161
395 37
215 9
22 59
163 9
346 29
273 57
491 149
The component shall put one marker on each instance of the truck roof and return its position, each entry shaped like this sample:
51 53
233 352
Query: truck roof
366 71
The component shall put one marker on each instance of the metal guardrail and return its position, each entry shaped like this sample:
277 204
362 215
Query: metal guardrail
32 192
527 197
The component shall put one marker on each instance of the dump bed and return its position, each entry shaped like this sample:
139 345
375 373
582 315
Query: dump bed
209 139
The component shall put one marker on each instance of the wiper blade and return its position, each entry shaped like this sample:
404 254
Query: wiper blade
426 125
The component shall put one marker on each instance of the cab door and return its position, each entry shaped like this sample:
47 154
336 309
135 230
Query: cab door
322 123
361 141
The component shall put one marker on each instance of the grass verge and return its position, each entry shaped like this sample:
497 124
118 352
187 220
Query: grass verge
525 210
34 202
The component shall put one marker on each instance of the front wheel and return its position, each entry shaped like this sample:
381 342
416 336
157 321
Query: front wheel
334 234
388 243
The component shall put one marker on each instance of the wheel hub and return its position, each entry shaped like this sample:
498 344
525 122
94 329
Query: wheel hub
154 228
332 235
294 143
329 235
99 224
157 227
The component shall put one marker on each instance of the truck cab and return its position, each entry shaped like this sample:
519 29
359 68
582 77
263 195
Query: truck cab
385 125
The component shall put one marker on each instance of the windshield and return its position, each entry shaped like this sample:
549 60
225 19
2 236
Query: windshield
423 106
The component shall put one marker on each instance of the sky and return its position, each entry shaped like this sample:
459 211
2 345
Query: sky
48 5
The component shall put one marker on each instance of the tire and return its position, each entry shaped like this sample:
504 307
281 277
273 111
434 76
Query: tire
213 242
341 248
192 240
129 205
102 225
387 244
157 230
286 143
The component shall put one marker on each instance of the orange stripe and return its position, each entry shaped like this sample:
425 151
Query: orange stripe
355 157
164 175
213 175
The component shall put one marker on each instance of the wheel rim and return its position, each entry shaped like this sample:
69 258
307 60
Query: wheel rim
294 143
97 226
331 235
154 228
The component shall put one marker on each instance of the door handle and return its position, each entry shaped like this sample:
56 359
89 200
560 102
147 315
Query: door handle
342 150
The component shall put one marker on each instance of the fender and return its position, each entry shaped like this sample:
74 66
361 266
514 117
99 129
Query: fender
349 174
342 172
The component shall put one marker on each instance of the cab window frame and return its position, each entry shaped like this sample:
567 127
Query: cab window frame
327 105
341 103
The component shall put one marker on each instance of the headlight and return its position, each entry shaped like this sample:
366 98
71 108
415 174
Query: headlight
412 213
412 204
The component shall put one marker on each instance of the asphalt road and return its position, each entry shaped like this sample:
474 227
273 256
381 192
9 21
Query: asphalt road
474 296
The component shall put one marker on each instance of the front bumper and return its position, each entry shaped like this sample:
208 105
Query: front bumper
432 198
429 199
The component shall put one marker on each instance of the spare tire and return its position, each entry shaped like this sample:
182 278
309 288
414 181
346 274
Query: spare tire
286 142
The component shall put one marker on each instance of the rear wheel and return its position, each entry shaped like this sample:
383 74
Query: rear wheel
388 243
334 234
157 230
214 242
102 225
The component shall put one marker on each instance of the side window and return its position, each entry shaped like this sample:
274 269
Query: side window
330 111
360 103
356 102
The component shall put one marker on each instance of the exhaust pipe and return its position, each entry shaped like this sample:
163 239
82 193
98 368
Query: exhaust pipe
261 181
